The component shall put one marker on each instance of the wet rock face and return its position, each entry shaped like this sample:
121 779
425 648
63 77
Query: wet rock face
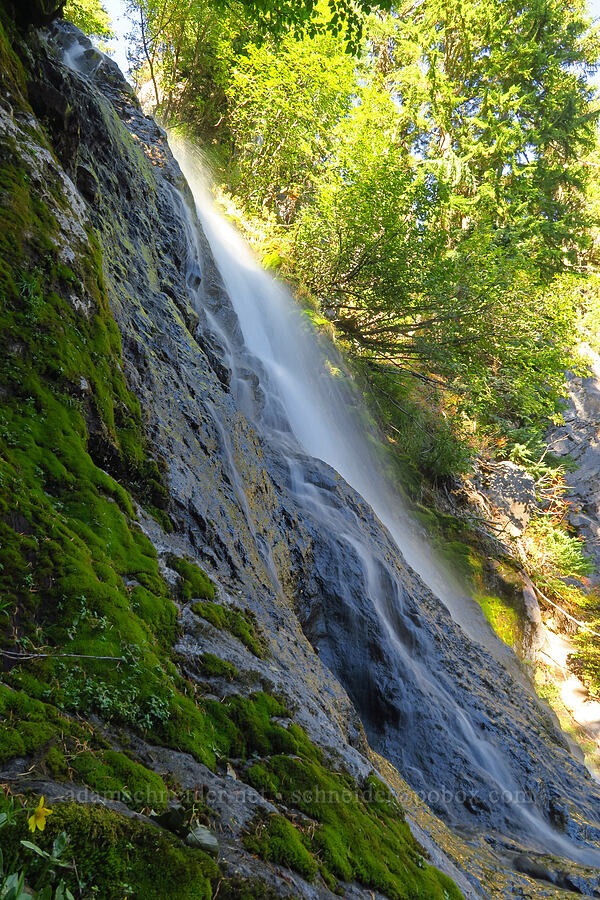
342 611
440 708
229 512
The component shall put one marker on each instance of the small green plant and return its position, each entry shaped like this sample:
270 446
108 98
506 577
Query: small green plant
13 884
52 860
29 286
6 606
528 448
90 851
552 551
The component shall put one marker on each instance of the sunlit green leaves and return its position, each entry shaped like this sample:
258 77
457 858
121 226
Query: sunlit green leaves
90 16
286 100
409 292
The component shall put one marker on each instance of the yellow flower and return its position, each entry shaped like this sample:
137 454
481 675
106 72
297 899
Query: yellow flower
38 819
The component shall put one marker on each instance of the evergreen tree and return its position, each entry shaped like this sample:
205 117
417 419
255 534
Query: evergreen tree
495 93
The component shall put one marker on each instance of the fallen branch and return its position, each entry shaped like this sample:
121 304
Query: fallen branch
556 663
565 613
14 655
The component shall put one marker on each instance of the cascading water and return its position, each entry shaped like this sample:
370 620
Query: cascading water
288 388
320 408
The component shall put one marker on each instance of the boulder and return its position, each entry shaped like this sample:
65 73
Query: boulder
512 491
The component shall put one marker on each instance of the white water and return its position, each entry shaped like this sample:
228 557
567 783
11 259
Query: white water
321 410
320 407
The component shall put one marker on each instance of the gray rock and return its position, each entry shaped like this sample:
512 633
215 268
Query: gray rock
580 439
512 490
202 837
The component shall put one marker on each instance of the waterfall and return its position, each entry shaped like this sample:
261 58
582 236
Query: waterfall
304 408
320 407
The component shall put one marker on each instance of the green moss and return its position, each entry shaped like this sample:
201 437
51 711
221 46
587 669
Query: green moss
262 779
463 559
56 764
193 581
361 833
11 68
255 732
502 617
117 777
277 840
161 617
117 857
69 427
30 727
238 888
462 551
27 725
241 625
214 667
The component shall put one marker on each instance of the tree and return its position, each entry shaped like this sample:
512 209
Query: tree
407 295
433 185
342 18
185 42
496 93
90 16
183 47
285 100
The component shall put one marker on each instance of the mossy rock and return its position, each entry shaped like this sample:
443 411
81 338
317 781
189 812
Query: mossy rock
276 840
503 618
68 538
238 888
117 777
28 725
116 856
214 667
242 625
361 834
194 583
